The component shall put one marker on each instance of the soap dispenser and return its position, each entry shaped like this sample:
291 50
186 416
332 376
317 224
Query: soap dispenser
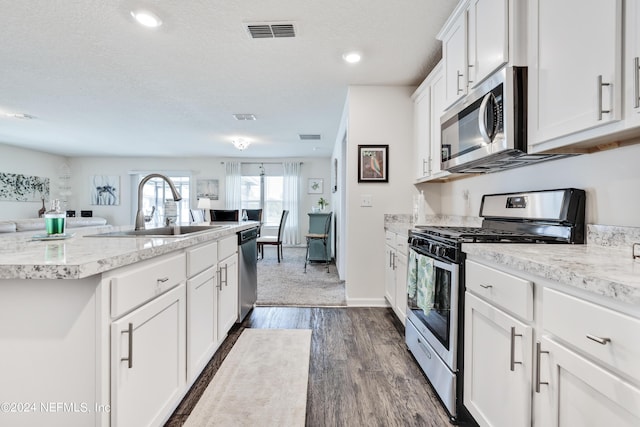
54 219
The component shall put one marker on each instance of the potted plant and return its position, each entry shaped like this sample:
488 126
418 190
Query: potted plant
322 203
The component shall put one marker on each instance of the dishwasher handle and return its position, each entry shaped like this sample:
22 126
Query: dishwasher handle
246 235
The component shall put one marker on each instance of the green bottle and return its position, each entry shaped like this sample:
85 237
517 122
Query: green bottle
54 219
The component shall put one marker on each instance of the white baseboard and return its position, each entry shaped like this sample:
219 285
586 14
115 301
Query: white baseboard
367 302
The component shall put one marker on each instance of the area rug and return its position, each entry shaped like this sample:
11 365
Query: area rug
262 381
286 283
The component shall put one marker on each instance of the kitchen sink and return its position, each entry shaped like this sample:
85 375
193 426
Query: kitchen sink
177 231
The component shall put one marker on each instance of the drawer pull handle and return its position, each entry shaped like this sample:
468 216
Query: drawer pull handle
599 340
486 286
129 357
538 369
512 360
424 349
163 279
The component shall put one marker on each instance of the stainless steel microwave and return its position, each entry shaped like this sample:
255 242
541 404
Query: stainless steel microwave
487 130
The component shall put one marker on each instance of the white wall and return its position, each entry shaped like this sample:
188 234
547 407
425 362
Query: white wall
375 115
213 168
610 178
28 162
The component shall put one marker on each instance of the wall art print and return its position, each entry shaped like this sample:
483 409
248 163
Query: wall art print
16 187
373 163
105 190
208 188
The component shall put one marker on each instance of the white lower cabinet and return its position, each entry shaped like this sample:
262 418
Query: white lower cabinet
202 333
581 369
395 273
497 362
148 352
573 391
227 295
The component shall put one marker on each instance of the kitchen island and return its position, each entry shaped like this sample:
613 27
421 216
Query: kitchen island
112 330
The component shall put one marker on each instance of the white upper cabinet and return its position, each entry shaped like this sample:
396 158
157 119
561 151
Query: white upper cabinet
480 37
437 108
488 24
429 101
575 69
421 130
632 64
454 55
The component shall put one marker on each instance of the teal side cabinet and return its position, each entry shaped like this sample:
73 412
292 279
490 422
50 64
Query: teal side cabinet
317 223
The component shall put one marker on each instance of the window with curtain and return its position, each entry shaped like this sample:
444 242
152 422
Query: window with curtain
263 192
156 191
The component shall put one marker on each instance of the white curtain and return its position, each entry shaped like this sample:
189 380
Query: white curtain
233 186
290 202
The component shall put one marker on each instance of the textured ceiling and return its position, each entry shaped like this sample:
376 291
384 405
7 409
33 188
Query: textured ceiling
101 85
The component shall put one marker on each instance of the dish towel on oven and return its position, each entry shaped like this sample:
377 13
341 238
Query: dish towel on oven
412 274
425 284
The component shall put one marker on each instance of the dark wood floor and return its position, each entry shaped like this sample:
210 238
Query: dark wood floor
360 374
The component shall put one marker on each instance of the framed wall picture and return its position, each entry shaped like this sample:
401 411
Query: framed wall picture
105 190
207 188
373 163
315 186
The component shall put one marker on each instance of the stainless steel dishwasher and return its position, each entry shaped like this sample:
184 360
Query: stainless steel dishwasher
248 271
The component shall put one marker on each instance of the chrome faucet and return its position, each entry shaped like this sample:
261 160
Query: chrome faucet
139 213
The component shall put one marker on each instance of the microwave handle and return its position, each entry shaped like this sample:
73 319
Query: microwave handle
482 123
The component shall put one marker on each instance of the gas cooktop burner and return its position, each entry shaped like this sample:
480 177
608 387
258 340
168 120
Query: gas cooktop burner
483 235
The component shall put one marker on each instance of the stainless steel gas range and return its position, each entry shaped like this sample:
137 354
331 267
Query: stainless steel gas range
436 275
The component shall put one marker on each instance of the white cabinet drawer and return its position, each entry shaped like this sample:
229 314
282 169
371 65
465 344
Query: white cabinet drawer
510 292
227 246
134 285
582 324
390 238
201 257
402 244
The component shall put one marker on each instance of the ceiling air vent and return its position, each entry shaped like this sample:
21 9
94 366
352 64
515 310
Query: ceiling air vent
310 137
270 30
244 116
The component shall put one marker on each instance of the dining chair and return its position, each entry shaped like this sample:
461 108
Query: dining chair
274 240
322 237
224 215
254 215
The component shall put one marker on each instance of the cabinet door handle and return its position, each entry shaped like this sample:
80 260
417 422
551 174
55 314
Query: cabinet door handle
636 81
393 257
424 166
600 85
599 340
162 279
458 88
219 274
486 286
470 66
226 275
129 357
512 359
538 369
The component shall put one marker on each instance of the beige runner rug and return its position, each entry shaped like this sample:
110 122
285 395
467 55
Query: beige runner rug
262 381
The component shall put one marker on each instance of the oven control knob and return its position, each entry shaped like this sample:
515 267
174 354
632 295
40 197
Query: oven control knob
440 251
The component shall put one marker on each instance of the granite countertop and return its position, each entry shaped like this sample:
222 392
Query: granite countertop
80 256
603 270
603 266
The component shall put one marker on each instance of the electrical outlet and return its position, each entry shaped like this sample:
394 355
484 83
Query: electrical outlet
366 200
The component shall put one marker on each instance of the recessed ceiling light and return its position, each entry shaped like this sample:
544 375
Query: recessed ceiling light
146 18
352 57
